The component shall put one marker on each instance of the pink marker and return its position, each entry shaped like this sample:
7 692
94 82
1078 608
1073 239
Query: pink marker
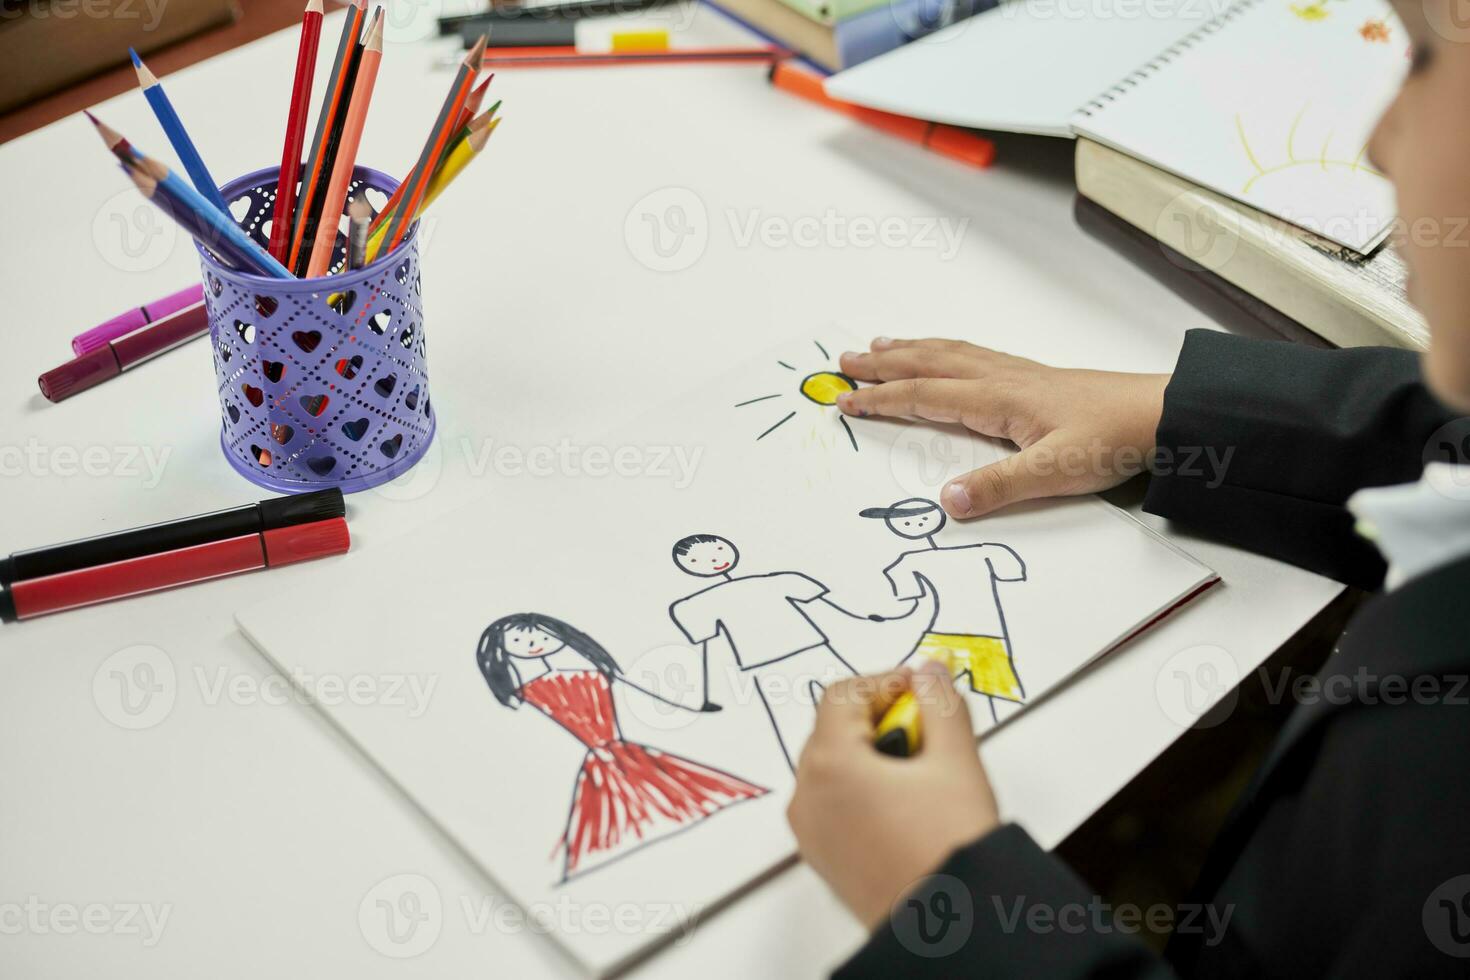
126 323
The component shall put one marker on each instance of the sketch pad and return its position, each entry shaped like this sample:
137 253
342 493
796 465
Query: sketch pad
757 463
1270 102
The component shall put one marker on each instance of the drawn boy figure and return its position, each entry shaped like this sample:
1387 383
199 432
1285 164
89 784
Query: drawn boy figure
764 620
969 625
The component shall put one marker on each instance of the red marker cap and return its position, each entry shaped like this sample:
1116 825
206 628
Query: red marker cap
79 374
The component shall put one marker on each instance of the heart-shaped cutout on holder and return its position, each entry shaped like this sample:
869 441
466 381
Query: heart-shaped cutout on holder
274 371
390 447
376 199
355 430
322 465
215 286
411 400
240 207
224 352
314 405
307 340
402 274
266 306
246 331
232 412
385 386
342 302
348 367
253 395
406 338
378 322
262 456
281 433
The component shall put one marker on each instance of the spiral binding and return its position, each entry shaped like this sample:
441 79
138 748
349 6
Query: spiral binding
1169 54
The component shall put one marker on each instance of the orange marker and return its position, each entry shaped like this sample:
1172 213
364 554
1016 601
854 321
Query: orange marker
951 141
357 108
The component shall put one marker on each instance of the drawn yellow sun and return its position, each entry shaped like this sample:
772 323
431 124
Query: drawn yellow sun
823 387
819 388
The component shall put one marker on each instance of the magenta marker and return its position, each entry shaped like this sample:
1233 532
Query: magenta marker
126 323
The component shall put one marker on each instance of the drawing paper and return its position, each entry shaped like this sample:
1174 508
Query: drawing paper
746 535
1270 103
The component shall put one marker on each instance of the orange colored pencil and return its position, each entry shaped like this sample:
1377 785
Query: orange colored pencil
311 32
471 108
357 109
326 118
439 137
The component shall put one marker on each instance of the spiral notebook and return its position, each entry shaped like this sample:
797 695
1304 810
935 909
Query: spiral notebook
1269 102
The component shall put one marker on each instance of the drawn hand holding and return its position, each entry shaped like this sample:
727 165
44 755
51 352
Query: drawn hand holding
1079 431
872 825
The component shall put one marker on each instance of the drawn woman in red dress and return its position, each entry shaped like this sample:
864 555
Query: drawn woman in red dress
626 795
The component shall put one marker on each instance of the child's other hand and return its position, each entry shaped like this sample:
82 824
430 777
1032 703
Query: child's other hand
1079 431
873 825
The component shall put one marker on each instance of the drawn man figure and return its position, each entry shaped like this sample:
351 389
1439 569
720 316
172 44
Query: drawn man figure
764 620
969 625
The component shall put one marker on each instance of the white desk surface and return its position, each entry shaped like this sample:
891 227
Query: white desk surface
246 817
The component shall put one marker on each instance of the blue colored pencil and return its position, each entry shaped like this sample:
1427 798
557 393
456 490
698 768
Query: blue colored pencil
224 252
221 226
173 127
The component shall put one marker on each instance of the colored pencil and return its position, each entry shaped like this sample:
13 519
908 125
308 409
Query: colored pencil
439 136
315 218
359 215
534 57
311 32
386 215
471 108
356 115
326 117
222 231
178 137
454 164
226 253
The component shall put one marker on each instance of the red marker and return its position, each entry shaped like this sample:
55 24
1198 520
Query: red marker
149 573
124 353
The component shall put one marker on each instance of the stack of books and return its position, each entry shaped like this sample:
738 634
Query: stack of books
837 34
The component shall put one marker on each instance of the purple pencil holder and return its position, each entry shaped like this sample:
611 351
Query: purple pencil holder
322 382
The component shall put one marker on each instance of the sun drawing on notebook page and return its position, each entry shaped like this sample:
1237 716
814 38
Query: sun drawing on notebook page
819 388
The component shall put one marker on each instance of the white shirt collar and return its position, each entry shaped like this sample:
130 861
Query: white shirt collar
1418 527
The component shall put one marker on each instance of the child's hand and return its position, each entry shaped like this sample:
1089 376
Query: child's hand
1079 431
873 825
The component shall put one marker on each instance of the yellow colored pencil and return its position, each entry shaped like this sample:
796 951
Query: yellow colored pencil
460 157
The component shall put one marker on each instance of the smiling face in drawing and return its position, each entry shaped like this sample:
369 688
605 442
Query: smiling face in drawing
706 555
530 642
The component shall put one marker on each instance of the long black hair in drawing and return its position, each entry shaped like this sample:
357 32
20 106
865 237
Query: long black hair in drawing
503 677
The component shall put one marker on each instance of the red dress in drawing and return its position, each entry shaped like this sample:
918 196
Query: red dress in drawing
626 794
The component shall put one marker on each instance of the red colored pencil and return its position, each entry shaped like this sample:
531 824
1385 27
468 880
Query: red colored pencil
439 137
311 32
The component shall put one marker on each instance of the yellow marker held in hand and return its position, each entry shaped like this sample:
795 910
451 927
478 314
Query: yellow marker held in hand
900 730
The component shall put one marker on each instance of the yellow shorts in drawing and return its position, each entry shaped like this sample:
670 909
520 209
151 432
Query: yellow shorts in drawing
984 658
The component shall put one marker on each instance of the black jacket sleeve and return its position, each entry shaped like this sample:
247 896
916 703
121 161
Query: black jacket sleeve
1002 907
1262 442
